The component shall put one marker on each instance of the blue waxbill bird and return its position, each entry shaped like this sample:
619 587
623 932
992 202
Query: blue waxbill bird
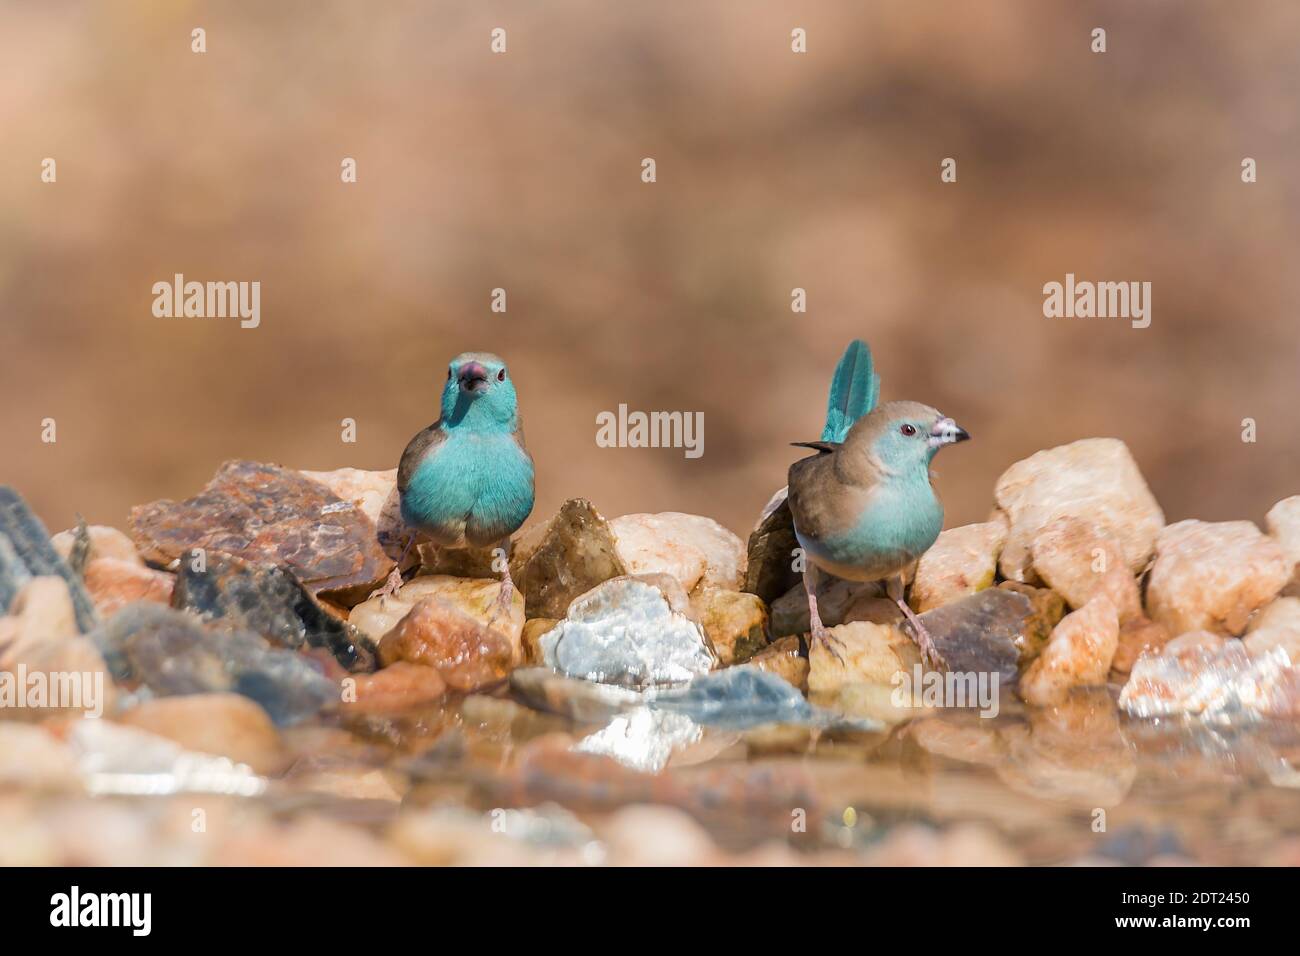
467 479
863 506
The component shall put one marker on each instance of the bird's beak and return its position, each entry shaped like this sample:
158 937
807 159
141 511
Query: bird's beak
947 432
473 377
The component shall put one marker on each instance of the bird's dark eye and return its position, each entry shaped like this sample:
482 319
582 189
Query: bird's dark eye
449 373
908 429
501 375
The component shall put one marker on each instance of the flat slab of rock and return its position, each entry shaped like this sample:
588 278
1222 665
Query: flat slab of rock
745 696
269 515
555 562
1095 479
1211 576
26 552
981 633
268 600
170 652
625 631
582 700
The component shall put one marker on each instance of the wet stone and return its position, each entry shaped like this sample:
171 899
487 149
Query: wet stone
626 631
462 648
172 653
1201 674
741 697
583 700
26 551
228 725
735 623
981 633
269 601
266 514
783 659
555 562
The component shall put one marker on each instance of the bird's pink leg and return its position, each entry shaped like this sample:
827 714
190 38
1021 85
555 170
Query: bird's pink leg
922 637
507 593
395 576
817 629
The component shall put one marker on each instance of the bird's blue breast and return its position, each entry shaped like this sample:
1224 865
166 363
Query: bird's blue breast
470 489
897 527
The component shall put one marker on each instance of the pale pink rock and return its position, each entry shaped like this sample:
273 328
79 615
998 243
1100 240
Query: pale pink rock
696 550
1265 639
1095 479
1079 653
1283 525
962 561
34 758
1078 561
227 725
369 491
114 583
1213 576
105 542
40 637
1283 614
474 597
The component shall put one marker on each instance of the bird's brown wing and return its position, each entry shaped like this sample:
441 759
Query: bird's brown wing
820 501
415 451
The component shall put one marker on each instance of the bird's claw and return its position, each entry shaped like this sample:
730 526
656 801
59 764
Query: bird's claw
929 653
833 645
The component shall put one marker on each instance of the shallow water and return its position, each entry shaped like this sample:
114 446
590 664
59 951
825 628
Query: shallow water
1076 783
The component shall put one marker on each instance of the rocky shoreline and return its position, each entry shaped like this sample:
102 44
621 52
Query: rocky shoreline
648 696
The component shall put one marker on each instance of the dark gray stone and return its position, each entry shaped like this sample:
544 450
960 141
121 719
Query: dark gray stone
272 602
26 552
172 653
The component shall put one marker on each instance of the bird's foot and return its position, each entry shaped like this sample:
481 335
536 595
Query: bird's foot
390 586
822 635
929 653
503 602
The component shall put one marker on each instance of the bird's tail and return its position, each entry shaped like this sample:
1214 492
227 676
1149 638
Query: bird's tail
854 391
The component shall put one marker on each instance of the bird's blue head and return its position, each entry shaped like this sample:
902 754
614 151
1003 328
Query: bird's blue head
902 438
479 394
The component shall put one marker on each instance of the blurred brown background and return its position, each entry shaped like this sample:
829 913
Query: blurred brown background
775 170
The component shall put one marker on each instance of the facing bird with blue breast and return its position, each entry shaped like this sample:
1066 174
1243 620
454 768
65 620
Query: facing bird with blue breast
467 479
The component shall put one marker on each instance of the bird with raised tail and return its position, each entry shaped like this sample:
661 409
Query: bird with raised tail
864 508
467 479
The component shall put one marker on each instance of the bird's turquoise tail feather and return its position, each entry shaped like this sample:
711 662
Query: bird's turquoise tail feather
854 391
